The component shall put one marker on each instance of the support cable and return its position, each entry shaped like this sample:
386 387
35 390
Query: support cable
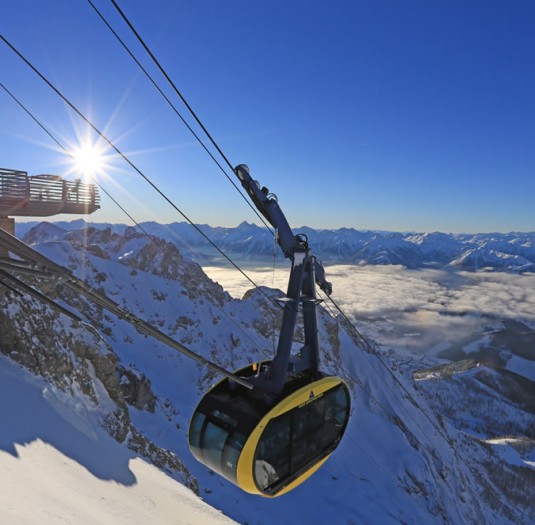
128 161
138 225
103 301
67 278
64 149
172 106
171 83
358 382
17 285
374 351
370 349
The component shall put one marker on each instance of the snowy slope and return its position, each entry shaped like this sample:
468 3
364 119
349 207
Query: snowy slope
398 462
58 466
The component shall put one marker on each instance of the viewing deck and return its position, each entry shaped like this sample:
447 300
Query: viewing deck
44 195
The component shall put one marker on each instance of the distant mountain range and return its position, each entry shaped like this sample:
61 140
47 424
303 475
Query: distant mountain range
510 252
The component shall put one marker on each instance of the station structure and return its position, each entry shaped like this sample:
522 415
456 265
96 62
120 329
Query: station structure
42 196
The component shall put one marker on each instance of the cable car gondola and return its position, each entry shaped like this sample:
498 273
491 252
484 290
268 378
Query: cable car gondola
268 448
271 435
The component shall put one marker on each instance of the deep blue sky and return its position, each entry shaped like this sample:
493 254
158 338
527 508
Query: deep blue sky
397 115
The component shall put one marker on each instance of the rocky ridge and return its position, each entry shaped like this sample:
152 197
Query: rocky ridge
509 252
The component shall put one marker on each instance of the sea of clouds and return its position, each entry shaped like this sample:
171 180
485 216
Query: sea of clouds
412 310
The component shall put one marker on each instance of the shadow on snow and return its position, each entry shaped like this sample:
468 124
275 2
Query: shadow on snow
30 411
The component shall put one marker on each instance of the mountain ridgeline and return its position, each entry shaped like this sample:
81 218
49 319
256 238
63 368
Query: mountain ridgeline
509 252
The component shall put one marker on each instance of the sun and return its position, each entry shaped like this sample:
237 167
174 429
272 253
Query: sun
89 160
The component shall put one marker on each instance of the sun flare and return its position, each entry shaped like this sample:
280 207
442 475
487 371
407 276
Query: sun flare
89 160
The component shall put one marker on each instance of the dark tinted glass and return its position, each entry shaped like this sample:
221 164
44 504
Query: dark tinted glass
298 438
195 434
231 455
213 442
273 452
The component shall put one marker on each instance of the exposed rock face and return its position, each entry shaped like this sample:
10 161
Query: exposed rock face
75 358
64 351
161 458
156 256
267 322
73 355
136 389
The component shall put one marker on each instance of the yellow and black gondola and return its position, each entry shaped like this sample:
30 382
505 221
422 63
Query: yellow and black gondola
270 426
269 448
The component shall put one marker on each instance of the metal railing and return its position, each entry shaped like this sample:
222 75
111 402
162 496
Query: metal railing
41 195
14 184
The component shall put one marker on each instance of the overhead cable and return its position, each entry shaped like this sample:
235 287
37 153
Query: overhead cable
373 351
17 285
67 152
172 106
137 224
128 161
68 279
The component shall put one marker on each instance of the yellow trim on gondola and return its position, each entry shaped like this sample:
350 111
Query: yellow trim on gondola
303 396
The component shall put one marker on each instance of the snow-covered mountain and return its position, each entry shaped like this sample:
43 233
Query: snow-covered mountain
511 252
413 453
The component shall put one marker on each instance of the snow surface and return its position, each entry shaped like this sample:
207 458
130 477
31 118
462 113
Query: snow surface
505 447
59 468
522 367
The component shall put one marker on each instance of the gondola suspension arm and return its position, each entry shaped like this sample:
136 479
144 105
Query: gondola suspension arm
305 273
268 206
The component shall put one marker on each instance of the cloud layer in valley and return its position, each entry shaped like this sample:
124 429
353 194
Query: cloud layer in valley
417 310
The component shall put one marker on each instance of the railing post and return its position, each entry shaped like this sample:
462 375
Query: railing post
8 225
